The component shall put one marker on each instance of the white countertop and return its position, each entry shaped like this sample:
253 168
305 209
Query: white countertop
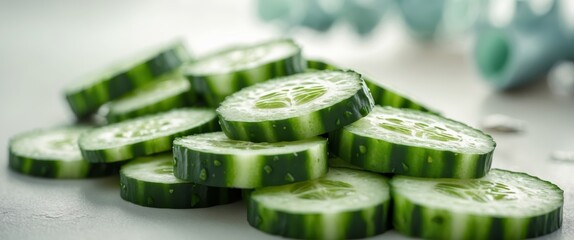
46 44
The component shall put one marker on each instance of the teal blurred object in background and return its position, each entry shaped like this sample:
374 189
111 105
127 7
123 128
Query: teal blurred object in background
521 44
516 41
320 15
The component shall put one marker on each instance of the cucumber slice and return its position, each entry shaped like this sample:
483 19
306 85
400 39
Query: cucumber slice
295 107
155 97
145 135
501 205
213 159
318 65
149 181
414 143
220 74
344 204
87 95
382 95
54 153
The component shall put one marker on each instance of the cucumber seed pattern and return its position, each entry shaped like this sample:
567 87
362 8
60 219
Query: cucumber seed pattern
478 190
322 189
290 97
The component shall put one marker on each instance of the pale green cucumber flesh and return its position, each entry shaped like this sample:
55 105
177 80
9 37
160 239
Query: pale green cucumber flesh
500 205
344 204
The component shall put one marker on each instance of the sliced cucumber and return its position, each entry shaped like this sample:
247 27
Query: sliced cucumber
145 135
149 181
220 74
87 95
335 162
501 205
157 96
344 204
318 65
410 142
54 153
295 107
213 159
382 95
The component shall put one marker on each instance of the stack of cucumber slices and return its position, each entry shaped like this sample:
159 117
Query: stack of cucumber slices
314 151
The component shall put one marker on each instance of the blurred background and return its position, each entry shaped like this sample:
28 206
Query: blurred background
501 65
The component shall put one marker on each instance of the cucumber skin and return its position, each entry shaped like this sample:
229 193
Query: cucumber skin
384 157
87 101
309 226
207 87
385 97
324 120
409 219
184 99
183 195
300 166
318 65
382 96
59 169
144 148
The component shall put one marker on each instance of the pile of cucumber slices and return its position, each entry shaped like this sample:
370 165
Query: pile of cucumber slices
314 151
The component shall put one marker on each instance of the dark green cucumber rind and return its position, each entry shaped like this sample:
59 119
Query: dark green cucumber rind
418 221
209 87
385 157
325 120
49 168
319 65
144 148
382 95
179 195
309 226
183 99
87 100
217 169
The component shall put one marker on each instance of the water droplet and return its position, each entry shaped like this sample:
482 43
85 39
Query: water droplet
405 167
429 159
566 156
171 191
274 125
295 154
348 114
217 163
123 187
195 199
284 127
289 177
338 122
362 149
364 111
203 174
502 123
275 159
267 169
258 221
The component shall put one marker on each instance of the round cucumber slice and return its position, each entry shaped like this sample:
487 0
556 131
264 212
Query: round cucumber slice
155 97
145 135
87 95
54 153
222 73
213 159
501 205
149 181
344 204
383 94
414 143
295 107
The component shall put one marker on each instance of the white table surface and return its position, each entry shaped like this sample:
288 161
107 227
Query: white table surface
46 44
